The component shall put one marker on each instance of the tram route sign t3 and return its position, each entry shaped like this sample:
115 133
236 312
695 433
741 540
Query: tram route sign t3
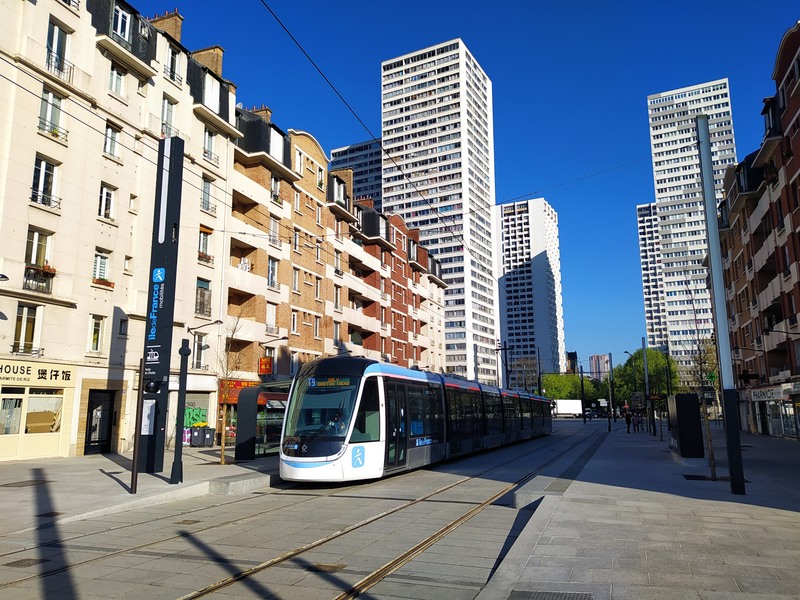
161 303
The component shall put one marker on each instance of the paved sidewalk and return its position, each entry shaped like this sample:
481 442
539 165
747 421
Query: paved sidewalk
636 524
35 493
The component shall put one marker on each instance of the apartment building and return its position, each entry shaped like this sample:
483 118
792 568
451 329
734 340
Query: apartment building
438 174
682 235
266 232
655 309
760 244
531 310
366 160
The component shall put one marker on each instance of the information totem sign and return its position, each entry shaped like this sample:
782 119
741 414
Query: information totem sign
161 304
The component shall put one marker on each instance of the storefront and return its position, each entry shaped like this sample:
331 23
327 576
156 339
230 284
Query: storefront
36 409
774 410
271 407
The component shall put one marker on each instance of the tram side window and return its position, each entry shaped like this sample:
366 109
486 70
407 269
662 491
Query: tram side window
425 411
367 427
494 414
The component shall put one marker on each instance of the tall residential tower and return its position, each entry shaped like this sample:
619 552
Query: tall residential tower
531 312
438 174
680 212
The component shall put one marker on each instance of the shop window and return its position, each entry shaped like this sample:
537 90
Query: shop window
10 411
43 414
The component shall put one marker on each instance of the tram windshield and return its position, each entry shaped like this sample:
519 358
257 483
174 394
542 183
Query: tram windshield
321 408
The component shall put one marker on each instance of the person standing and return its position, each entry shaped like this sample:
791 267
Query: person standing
628 421
635 422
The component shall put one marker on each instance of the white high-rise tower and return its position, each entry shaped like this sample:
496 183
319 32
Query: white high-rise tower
438 173
531 310
679 207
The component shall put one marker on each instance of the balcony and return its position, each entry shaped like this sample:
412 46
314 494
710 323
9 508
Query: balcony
207 205
59 66
27 349
205 258
48 200
38 278
168 131
172 75
210 157
56 132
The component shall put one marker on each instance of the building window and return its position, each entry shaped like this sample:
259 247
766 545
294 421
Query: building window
274 231
10 412
116 82
298 161
275 188
318 251
296 240
111 145
123 327
337 333
204 244
100 269
295 280
42 188
96 333
208 147
37 249
294 321
337 260
316 326
319 215
337 297
173 65
168 118
320 177
57 63
272 318
106 207
297 201
318 288
121 24
50 114
198 350
272 272
25 332
202 302
205 196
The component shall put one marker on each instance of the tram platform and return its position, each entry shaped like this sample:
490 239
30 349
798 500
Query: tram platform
38 493
637 523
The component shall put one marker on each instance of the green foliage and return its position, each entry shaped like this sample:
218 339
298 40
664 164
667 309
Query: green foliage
629 376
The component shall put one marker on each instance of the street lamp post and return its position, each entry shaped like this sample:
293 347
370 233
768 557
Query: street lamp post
635 383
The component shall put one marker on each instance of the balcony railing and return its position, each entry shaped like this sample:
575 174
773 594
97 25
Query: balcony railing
38 278
72 3
210 156
39 197
205 258
53 129
172 75
168 131
207 205
26 348
59 66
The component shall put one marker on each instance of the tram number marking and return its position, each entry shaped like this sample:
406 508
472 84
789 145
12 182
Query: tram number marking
424 441
358 457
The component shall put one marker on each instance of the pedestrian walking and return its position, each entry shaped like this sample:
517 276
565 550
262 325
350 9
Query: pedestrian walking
635 422
628 421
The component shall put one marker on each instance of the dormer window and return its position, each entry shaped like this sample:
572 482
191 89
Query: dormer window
121 25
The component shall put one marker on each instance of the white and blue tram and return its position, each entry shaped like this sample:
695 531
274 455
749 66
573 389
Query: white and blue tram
351 418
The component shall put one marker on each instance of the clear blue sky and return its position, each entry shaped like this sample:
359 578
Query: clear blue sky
570 86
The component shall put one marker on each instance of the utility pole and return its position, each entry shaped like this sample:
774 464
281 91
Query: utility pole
727 382
583 395
611 391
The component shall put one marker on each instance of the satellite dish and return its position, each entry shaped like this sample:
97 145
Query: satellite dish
239 105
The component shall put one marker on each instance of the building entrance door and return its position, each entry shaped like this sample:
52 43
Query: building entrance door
99 422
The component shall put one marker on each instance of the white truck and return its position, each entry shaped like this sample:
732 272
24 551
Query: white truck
569 408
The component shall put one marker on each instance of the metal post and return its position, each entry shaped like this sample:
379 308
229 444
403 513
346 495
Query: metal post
727 382
583 396
137 429
651 415
610 391
177 461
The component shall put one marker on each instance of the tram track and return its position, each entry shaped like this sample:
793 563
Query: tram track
299 495
390 567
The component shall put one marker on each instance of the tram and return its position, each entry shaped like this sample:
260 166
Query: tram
352 418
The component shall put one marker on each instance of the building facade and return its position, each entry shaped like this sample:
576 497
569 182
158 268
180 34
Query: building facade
682 237
760 246
438 174
655 309
365 159
531 310
275 266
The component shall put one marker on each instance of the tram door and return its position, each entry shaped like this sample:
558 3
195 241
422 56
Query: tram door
396 436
